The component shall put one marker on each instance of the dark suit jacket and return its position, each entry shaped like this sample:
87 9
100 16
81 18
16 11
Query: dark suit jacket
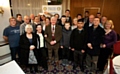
95 37
24 46
58 36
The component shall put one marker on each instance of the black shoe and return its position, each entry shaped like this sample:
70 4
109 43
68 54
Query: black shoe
74 67
82 69
45 68
31 71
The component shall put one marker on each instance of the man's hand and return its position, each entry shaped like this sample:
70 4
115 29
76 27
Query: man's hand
83 51
90 45
52 43
61 47
72 49
103 46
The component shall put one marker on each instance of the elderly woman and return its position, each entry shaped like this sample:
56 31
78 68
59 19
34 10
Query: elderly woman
106 48
28 45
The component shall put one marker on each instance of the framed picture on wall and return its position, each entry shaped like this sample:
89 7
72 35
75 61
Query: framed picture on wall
92 10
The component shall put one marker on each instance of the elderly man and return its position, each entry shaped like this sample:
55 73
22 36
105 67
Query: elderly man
53 35
90 23
22 26
32 17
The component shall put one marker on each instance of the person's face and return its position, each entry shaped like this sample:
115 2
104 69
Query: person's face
32 17
43 17
19 18
103 20
53 21
67 26
67 13
108 25
75 21
80 24
27 20
47 22
12 22
63 19
86 14
91 19
96 21
37 19
56 16
99 15
79 17
29 30
39 28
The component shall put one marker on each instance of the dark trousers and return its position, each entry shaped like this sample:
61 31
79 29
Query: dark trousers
14 51
42 53
78 58
33 67
65 53
103 58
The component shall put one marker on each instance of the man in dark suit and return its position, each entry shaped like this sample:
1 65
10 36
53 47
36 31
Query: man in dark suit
95 38
90 23
53 35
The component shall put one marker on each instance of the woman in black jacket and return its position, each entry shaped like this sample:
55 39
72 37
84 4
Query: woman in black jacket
28 45
42 51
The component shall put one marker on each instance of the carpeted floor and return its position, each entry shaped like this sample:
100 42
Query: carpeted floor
60 69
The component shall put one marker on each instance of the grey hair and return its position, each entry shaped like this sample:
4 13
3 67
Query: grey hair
28 26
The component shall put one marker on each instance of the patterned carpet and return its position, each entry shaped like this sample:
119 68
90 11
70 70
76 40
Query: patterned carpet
60 69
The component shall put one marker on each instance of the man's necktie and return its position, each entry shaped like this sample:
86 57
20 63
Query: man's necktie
53 32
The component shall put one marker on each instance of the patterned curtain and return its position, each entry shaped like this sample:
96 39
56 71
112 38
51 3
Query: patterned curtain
27 7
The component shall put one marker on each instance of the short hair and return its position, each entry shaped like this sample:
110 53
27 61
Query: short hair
111 22
97 17
38 25
18 15
80 20
48 18
28 26
87 12
57 14
63 16
99 13
53 17
67 22
79 15
12 18
67 10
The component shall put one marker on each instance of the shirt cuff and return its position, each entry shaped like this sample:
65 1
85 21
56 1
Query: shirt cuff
54 41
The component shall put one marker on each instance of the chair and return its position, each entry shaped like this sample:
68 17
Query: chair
116 51
116 64
116 48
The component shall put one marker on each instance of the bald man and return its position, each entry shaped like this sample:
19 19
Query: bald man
90 23
32 17
22 26
53 35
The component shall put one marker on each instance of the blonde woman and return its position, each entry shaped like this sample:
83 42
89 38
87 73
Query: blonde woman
106 48
28 45
74 23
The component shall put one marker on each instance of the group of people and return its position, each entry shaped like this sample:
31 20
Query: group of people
87 42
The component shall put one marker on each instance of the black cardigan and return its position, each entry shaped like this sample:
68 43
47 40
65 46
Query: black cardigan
24 48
